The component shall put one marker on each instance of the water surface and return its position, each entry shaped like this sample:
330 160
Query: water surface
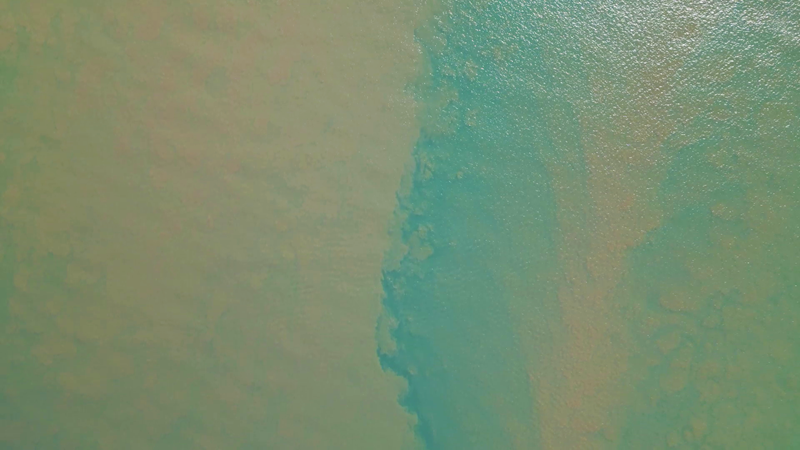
600 246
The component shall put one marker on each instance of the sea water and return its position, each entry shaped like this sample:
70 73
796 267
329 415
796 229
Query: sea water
594 244
194 202
599 244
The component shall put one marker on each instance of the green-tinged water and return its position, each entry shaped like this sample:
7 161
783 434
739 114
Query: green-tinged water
410 224
603 232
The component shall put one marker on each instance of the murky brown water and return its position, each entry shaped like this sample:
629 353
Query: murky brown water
195 199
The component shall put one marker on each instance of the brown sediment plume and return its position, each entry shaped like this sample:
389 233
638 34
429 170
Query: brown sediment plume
196 209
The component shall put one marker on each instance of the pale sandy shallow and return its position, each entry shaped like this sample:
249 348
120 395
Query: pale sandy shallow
195 200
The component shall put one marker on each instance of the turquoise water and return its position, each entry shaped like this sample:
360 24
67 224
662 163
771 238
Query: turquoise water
479 177
600 240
